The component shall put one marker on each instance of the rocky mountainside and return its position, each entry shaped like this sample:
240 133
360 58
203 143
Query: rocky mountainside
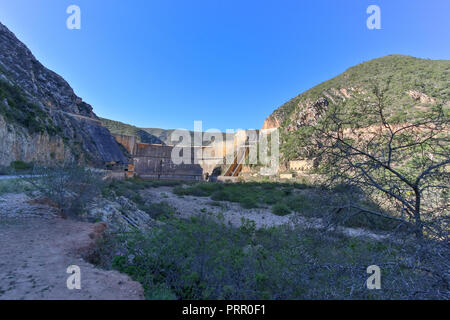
120 128
412 85
148 135
41 118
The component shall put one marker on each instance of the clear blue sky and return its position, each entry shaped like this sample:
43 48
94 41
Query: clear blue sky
166 63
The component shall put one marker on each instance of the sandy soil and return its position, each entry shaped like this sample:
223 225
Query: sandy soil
36 250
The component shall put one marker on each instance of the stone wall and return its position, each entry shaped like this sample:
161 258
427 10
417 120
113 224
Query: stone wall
301 165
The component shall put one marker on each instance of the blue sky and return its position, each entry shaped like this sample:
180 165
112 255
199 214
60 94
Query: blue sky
228 63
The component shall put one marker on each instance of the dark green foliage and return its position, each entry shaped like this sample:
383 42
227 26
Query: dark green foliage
284 198
281 209
202 189
161 210
248 202
21 166
199 258
299 203
221 195
249 195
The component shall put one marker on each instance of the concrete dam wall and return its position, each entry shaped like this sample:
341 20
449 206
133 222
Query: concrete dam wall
154 161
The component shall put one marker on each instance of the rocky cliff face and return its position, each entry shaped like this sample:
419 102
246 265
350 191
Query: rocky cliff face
411 85
271 122
41 118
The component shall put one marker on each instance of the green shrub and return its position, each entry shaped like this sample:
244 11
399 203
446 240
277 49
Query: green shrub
158 210
298 203
19 110
21 165
248 202
15 186
164 183
281 209
179 190
221 195
272 196
201 189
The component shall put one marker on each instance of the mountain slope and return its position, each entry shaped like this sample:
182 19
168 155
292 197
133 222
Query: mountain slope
149 135
41 118
117 127
413 85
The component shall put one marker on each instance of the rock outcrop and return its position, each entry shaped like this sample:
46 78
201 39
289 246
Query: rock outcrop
41 118
271 122
121 215
419 96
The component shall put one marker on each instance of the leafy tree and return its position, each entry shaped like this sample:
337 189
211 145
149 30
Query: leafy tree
361 143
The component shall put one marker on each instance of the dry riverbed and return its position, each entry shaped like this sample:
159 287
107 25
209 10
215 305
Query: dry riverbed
234 214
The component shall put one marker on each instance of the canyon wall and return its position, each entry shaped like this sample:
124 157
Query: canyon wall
41 118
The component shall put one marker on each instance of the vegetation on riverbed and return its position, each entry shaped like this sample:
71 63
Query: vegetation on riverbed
202 257
199 258
286 198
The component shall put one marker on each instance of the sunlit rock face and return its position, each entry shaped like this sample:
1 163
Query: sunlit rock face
41 118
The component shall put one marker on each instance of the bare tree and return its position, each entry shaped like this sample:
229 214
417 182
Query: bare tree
406 161
69 187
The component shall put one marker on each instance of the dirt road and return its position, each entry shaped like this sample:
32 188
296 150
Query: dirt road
36 252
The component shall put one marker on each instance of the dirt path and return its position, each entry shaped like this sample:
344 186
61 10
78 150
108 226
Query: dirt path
234 214
35 253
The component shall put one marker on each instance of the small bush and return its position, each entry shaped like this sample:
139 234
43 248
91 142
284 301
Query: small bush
221 195
158 210
202 189
179 190
281 209
164 183
70 187
248 202
15 186
21 165
272 196
298 203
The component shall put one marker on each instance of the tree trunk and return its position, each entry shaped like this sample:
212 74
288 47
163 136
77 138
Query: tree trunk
419 224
